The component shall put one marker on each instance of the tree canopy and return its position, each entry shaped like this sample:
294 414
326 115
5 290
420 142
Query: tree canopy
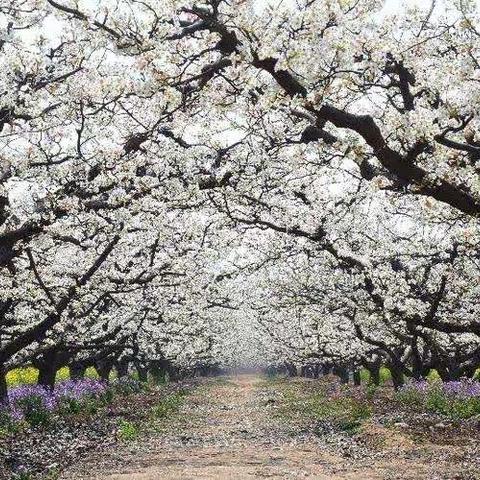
240 182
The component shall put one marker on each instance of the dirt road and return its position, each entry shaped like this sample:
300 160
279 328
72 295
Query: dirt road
227 430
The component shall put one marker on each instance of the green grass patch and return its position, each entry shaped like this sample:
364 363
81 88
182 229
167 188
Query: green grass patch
307 403
345 414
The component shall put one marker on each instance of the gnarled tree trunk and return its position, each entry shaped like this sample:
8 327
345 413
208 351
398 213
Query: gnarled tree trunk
398 377
142 371
77 370
48 365
3 386
122 368
104 368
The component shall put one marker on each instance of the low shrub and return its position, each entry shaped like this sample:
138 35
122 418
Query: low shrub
22 476
34 410
22 376
29 375
413 393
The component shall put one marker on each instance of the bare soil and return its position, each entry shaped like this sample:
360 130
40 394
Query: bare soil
228 429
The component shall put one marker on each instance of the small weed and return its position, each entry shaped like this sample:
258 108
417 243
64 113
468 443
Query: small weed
169 405
410 397
127 431
7 424
345 413
371 391
351 419
274 380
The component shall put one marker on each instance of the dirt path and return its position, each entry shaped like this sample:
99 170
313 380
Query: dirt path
226 430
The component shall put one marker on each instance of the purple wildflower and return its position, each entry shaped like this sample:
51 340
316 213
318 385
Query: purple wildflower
80 389
23 397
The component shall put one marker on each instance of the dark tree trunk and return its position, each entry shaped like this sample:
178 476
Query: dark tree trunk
164 368
455 374
425 372
442 371
202 370
417 372
47 374
174 374
77 370
104 368
48 365
142 371
3 387
327 369
398 378
445 376
158 370
468 371
417 361
122 368
374 371
419 369
449 374
357 379
291 369
157 374
342 373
